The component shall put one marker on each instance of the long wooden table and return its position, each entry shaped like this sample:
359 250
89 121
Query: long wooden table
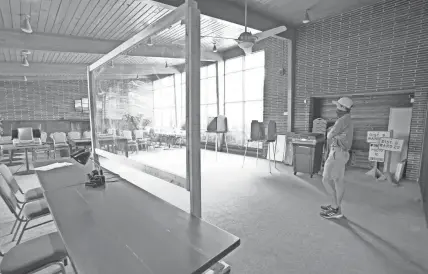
121 228
103 141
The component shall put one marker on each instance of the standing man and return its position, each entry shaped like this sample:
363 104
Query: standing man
340 139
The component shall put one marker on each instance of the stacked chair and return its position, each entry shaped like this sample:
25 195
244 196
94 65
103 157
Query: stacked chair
35 254
32 207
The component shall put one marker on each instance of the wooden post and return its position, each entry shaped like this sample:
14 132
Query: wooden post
193 105
291 72
92 112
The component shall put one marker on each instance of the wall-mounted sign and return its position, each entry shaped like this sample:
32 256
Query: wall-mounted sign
376 154
391 144
375 136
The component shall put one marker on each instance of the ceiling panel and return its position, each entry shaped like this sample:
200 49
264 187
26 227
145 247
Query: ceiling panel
105 19
292 12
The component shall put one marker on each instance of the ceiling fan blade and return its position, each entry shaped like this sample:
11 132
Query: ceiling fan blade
269 33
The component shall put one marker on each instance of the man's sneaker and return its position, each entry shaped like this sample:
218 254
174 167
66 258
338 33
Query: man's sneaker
326 207
334 213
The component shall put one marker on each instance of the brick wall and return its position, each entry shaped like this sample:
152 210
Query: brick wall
377 48
41 100
275 89
417 133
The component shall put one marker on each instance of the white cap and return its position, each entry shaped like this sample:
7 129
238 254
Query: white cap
344 103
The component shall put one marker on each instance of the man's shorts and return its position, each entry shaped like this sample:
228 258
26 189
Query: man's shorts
334 166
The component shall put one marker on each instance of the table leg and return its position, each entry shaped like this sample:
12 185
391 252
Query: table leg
126 149
27 164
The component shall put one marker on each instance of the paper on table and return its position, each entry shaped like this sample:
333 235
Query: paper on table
53 166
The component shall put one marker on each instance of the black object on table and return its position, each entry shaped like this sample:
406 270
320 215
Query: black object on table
121 228
307 152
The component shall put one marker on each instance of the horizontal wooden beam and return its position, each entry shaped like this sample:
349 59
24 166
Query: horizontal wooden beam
232 12
161 24
119 70
67 43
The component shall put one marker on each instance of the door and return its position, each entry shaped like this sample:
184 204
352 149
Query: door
399 123
423 175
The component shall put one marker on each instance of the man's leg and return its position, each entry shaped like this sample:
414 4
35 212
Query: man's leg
339 185
330 189
328 182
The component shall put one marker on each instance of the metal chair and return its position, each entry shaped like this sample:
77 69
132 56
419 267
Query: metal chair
59 142
30 210
36 152
30 195
141 139
131 143
35 255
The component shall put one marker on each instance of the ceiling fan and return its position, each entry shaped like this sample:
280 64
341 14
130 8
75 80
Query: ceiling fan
247 40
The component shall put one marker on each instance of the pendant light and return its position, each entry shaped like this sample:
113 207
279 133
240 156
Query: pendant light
25 24
307 19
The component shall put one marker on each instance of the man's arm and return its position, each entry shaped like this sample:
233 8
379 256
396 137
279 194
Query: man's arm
336 130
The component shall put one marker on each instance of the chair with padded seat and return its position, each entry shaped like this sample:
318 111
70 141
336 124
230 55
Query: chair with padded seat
32 194
30 211
35 255
59 142
37 151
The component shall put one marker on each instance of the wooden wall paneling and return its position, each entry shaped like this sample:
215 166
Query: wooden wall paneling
369 113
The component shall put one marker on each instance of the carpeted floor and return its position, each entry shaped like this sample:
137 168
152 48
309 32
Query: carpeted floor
277 218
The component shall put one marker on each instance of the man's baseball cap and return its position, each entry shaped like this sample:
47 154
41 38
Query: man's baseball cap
344 103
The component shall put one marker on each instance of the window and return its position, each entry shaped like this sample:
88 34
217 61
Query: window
244 88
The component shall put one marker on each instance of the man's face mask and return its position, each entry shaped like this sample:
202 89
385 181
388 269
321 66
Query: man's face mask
340 113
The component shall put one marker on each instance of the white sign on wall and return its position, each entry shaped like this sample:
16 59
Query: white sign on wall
376 154
375 136
391 144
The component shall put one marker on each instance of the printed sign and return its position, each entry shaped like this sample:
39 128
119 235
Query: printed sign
375 136
376 154
391 144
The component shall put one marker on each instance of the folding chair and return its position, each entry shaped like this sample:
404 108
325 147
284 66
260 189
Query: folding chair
35 255
30 211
